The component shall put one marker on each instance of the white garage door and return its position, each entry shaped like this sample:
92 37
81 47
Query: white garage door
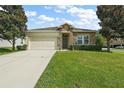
42 44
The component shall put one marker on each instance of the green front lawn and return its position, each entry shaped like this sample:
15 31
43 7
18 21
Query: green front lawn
5 50
85 69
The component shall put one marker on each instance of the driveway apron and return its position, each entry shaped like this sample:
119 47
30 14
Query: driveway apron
23 69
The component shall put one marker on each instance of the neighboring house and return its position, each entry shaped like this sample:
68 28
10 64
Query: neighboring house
5 43
59 37
117 42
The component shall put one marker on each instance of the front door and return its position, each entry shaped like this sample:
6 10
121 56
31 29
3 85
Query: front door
65 41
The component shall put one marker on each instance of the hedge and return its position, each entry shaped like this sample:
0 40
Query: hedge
85 47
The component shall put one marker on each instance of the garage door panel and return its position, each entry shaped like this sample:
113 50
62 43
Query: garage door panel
43 39
42 44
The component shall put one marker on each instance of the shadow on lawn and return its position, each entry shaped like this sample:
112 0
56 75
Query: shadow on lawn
5 50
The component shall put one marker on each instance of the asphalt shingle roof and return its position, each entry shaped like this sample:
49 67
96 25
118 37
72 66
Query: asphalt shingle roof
55 29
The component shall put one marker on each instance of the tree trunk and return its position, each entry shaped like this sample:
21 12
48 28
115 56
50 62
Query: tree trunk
13 43
108 45
121 42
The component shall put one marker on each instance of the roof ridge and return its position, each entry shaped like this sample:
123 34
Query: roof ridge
55 28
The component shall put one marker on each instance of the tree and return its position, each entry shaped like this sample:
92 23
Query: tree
112 21
12 23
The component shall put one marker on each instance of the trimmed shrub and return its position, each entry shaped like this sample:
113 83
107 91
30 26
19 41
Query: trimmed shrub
85 47
100 40
22 47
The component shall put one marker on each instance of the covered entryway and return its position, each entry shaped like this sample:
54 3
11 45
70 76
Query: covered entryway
65 38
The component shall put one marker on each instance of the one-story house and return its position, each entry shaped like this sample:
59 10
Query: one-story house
59 37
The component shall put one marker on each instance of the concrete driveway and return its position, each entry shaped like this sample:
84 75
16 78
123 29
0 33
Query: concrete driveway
23 69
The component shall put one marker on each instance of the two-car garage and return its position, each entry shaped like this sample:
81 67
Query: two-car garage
42 44
42 40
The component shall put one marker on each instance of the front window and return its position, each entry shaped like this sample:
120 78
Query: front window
82 39
79 40
86 39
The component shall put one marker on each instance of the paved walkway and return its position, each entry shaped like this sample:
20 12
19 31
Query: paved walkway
23 69
117 50
114 50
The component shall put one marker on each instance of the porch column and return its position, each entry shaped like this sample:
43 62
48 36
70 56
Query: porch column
71 39
60 41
